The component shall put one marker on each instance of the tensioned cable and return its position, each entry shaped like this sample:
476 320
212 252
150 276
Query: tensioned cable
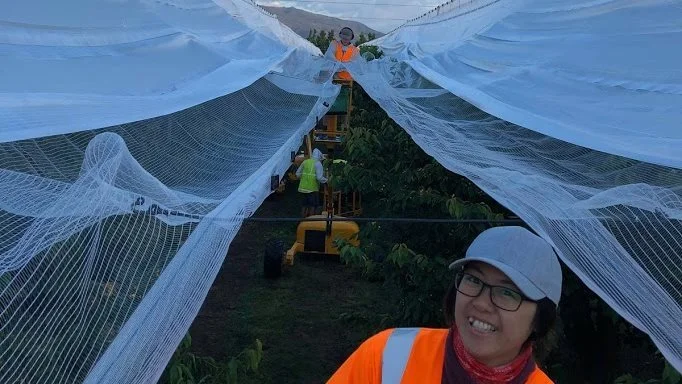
154 209
383 220
371 18
348 18
356 3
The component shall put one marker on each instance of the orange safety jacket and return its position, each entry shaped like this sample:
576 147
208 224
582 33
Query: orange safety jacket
403 356
345 57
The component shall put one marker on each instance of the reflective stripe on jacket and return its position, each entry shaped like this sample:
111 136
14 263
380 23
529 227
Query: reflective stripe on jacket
403 356
309 181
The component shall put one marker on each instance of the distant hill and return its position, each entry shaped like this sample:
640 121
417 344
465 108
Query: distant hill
302 22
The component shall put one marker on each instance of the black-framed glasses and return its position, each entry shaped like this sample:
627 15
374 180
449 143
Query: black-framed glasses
502 297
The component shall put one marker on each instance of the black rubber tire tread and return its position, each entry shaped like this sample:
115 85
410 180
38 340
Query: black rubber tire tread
273 258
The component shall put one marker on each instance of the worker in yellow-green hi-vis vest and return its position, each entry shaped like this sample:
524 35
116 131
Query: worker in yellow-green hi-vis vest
311 174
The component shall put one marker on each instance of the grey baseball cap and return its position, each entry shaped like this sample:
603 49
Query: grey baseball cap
527 259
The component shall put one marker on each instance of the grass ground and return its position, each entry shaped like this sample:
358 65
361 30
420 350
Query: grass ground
309 320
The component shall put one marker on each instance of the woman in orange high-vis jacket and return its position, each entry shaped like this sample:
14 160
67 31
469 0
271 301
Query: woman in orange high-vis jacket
343 50
503 298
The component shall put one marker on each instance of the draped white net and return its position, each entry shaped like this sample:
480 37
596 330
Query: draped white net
569 114
602 74
136 135
135 138
615 221
112 237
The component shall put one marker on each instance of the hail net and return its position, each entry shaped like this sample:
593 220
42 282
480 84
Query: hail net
569 114
136 136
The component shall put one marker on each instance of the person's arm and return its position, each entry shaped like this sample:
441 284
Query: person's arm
331 51
319 173
356 52
364 365
299 171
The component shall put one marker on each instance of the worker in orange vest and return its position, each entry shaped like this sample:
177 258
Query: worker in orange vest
503 298
343 50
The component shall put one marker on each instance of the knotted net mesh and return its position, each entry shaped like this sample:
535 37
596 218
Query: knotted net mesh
112 237
616 222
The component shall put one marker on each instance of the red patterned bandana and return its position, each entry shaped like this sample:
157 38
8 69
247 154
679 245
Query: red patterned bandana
483 374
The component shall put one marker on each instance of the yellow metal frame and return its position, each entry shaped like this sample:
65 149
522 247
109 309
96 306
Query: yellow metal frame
333 131
345 204
346 230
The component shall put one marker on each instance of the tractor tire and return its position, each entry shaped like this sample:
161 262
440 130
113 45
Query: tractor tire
273 258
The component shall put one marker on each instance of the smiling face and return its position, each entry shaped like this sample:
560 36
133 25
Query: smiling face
492 335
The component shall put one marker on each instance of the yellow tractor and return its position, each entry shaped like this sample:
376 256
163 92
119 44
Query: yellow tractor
316 234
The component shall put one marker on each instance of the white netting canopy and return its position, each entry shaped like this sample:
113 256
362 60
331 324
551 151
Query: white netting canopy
135 136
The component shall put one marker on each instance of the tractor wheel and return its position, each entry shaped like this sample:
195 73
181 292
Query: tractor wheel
273 258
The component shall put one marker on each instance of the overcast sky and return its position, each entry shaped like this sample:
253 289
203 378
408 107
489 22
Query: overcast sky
378 17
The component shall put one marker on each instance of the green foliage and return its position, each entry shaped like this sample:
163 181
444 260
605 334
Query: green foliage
398 178
373 49
187 368
321 39
5 280
668 376
629 379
